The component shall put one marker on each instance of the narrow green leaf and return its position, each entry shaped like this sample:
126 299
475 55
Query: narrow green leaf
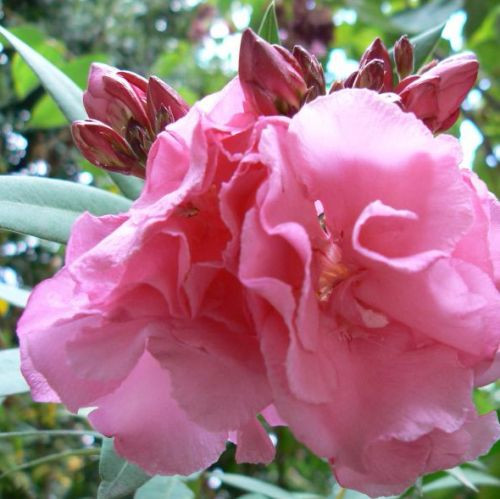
47 208
50 433
426 16
252 495
15 296
477 478
119 477
252 485
425 44
58 85
369 12
68 97
11 379
130 186
269 29
462 478
164 487
45 115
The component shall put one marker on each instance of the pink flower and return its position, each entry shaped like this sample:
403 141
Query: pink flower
375 321
436 95
148 322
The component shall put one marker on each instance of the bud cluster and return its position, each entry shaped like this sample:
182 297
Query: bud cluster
126 113
434 95
275 80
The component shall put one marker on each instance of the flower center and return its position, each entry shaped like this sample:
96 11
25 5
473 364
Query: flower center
331 271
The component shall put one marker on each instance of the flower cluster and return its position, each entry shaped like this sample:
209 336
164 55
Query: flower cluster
320 260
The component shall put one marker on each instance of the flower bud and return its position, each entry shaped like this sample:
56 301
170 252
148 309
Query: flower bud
426 67
336 85
104 147
435 96
403 55
371 76
349 81
120 90
312 72
113 97
271 78
164 104
377 50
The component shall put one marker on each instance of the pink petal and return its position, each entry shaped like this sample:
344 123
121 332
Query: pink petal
153 432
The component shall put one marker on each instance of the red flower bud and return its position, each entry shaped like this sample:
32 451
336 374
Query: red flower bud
349 81
371 76
377 50
403 55
164 104
270 76
336 85
426 67
435 97
104 147
120 90
113 97
312 72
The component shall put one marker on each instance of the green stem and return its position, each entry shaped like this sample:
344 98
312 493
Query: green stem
51 433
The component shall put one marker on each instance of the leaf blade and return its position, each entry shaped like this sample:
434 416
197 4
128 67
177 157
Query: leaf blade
63 90
12 381
47 208
118 476
15 296
252 485
425 43
164 487
269 29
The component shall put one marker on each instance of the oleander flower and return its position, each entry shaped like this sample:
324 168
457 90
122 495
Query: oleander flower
377 319
147 322
335 271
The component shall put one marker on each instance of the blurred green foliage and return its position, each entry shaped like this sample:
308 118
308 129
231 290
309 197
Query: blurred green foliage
193 44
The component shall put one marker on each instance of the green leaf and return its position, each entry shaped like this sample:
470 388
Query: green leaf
477 478
63 90
370 13
119 477
11 379
45 114
47 208
130 186
462 478
68 97
252 485
425 44
164 487
49 433
24 79
426 16
15 296
78 67
269 29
